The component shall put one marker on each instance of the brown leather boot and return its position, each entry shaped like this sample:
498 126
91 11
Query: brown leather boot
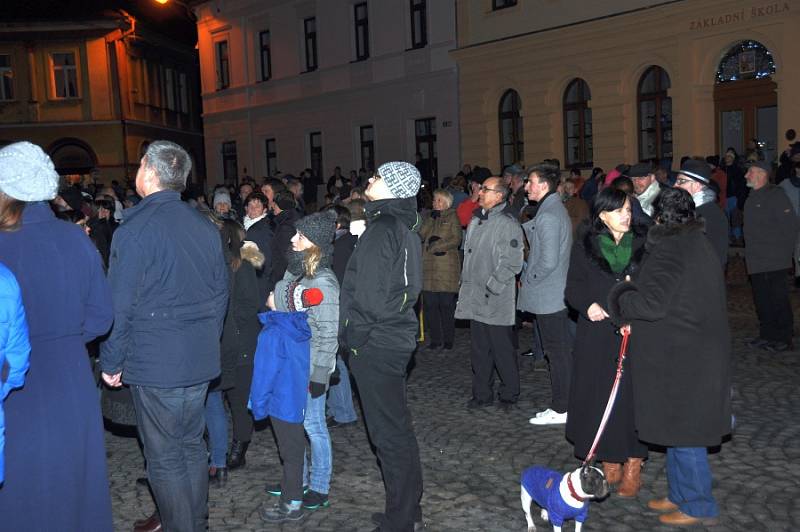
612 472
631 478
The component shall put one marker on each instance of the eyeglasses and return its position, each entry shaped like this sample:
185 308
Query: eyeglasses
682 181
492 189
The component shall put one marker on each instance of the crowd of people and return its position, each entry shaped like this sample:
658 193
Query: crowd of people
181 306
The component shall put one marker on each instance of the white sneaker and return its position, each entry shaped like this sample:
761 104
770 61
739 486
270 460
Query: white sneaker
549 417
547 412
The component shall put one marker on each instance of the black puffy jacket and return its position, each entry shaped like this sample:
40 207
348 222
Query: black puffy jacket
383 280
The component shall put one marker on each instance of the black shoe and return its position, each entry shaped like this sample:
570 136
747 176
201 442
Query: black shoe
378 518
448 346
142 481
778 347
236 456
528 353
149 523
332 423
313 500
275 489
756 343
506 406
473 404
219 477
433 347
281 512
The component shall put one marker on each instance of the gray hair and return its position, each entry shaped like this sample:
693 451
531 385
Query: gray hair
445 195
170 163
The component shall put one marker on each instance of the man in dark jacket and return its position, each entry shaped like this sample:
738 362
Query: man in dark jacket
695 178
378 326
169 284
284 207
770 230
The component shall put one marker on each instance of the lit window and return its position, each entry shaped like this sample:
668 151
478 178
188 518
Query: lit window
65 75
6 78
746 60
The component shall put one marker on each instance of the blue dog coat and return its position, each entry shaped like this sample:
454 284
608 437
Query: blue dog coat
542 485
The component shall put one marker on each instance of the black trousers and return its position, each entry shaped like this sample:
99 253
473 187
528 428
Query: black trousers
440 321
381 380
292 447
557 344
493 347
771 298
237 398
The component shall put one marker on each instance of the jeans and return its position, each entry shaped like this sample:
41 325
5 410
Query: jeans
171 425
340 396
730 209
319 479
217 425
381 380
557 344
689 481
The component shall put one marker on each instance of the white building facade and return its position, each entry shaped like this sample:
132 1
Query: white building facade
294 84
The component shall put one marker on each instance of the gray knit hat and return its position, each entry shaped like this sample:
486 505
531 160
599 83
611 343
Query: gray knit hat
320 229
221 195
27 173
401 178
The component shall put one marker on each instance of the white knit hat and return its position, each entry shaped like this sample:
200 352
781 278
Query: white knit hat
402 178
27 173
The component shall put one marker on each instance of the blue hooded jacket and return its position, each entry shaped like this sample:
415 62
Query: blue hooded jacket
14 345
281 367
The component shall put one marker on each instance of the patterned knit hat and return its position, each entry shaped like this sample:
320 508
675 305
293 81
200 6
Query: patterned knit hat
27 173
401 178
298 297
320 229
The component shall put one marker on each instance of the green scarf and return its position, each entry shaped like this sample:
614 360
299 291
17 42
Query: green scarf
617 256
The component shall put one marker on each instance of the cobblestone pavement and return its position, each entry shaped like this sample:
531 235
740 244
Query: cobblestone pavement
472 461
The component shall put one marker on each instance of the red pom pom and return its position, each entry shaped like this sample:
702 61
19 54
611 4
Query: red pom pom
312 297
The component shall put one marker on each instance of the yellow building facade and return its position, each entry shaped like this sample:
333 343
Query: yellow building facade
95 93
625 110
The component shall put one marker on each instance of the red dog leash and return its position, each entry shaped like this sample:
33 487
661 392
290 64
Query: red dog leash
623 351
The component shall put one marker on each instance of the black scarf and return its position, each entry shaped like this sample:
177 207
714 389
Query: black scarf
534 209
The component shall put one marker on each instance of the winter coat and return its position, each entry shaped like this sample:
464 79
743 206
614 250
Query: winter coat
280 374
549 236
15 347
323 320
383 280
716 227
343 245
169 284
492 259
770 230
241 328
680 343
55 434
595 352
281 242
737 184
261 233
441 261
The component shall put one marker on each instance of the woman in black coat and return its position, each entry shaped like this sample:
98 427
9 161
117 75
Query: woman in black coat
607 249
680 354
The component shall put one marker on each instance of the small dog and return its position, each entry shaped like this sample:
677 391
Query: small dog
561 497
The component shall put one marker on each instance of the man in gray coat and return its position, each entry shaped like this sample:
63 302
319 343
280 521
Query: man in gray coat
549 235
492 259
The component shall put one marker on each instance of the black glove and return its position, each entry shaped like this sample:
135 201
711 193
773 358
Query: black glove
317 389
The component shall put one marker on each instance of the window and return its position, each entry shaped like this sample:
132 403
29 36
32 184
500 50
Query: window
511 140
501 4
315 152
266 61
310 27
272 157
367 137
183 93
6 78
65 75
746 60
655 115
419 24
577 125
425 139
230 165
362 31
223 66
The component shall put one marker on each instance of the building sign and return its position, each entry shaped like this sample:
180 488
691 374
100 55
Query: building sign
742 15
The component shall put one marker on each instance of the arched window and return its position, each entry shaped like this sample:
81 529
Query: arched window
655 115
72 156
511 140
577 125
745 60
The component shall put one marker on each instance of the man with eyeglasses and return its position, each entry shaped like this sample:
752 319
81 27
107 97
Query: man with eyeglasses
645 186
549 235
695 178
492 259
